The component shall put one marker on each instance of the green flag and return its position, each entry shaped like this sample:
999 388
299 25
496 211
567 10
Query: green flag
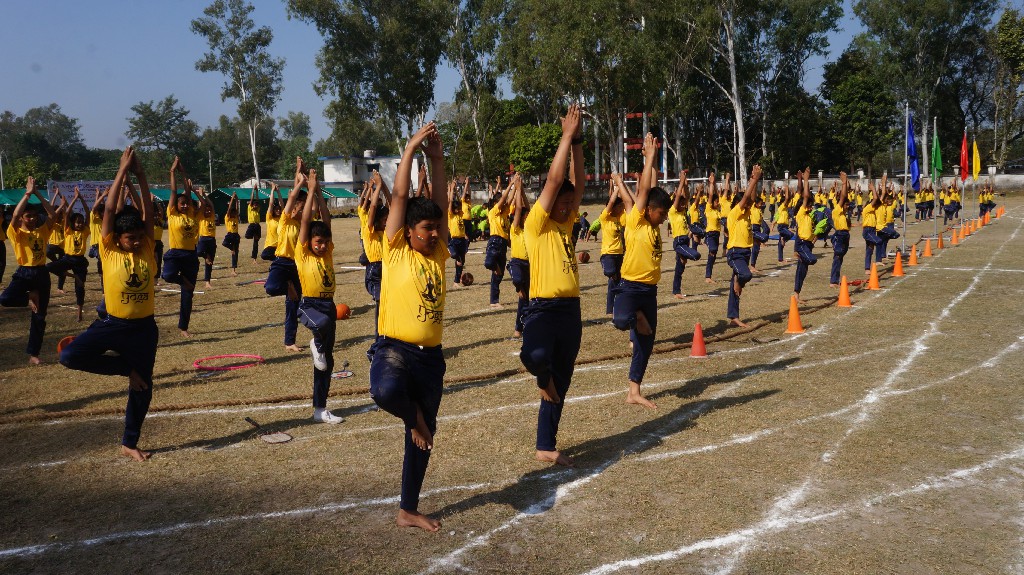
936 159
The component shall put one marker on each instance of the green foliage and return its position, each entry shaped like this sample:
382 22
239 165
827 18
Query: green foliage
863 112
379 56
531 148
162 130
228 143
295 139
16 173
351 134
45 133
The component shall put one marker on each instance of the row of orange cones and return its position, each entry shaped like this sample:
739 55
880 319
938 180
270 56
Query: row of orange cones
698 348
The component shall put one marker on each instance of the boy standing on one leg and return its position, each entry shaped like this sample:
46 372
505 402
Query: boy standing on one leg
636 305
840 239
741 240
407 370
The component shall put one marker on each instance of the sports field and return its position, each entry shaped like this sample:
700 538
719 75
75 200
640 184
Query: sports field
887 438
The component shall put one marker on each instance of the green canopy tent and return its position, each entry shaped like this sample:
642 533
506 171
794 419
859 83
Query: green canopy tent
11 197
221 197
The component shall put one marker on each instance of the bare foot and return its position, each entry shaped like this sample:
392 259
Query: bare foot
679 296
79 313
417 519
457 285
209 286
709 281
549 393
34 360
254 260
292 347
33 301
185 333
635 398
496 306
643 327
60 292
736 287
234 272
516 334
421 435
555 457
136 382
798 300
833 285
754 270
135 453
736 322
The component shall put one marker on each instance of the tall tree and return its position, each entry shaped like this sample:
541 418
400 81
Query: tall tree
379 59
1008 123
470 49
239 51
164 130
295 137
226 145
44 132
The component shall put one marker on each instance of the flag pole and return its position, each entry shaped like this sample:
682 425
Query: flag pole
906 175
935 220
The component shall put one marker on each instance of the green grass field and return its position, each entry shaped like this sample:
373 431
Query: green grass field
888 438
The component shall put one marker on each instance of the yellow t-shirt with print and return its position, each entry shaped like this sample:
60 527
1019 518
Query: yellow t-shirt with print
76 243
642 263
316 273
373 243
713 217
412 292
272 223
804 224
128 278
518 242
554 271
231 224
57 235
456 226
839 220
497 218
868 218
208 226
30 246
253 213
95 225
182 228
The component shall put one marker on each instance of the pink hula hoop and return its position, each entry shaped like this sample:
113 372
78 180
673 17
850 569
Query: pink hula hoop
198 364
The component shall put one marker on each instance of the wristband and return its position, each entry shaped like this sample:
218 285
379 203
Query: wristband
577 141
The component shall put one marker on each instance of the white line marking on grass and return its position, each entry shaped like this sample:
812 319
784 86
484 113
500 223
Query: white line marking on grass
784 506
993 270
216 521
957 478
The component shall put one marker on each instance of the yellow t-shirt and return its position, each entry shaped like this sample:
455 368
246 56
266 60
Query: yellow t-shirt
231 224
740 234
158 232
677 219
254 214
128 278
57 235
714 218
182 228
272 223
316 274
456 226
373 243
839 220
518 242
804 224
859 199
554 271
412 292
466 209
782 216
208 226
756 215
497 218
287 236
95 225
76 243
886 214
30 247
642 263
611 234
867 217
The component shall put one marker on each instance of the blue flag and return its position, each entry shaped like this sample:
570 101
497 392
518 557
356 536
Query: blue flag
915 170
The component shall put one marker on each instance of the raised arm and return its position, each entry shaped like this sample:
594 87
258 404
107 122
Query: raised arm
643 185
570 144
50 212
272 201
681 196
521 204
307 209
114 193
844 189
376 183
805 189
403 181
146 200
300 176
233 201
71 206
438 178
30 188
748 195
175 167
623 192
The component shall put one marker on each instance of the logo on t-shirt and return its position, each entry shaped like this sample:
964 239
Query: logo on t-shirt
569 265
430 296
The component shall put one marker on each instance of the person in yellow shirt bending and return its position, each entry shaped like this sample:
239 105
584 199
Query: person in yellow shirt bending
30 284
741 240
636 304
127 327
407 371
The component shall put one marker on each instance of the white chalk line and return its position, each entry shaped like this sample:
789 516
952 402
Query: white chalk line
216 521
865 408
954 479
990 270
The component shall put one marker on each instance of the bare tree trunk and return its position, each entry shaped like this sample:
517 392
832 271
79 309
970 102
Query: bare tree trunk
737 103
252 145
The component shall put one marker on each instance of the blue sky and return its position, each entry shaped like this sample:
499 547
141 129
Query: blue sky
97 58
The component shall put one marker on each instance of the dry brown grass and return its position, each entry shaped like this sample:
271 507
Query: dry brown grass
763 458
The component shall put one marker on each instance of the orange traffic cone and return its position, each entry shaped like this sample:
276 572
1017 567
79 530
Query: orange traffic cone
794 317
939 245
987 220
965 228
697 348
844 294
955 240
897 266
913 256
873 278
927 253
